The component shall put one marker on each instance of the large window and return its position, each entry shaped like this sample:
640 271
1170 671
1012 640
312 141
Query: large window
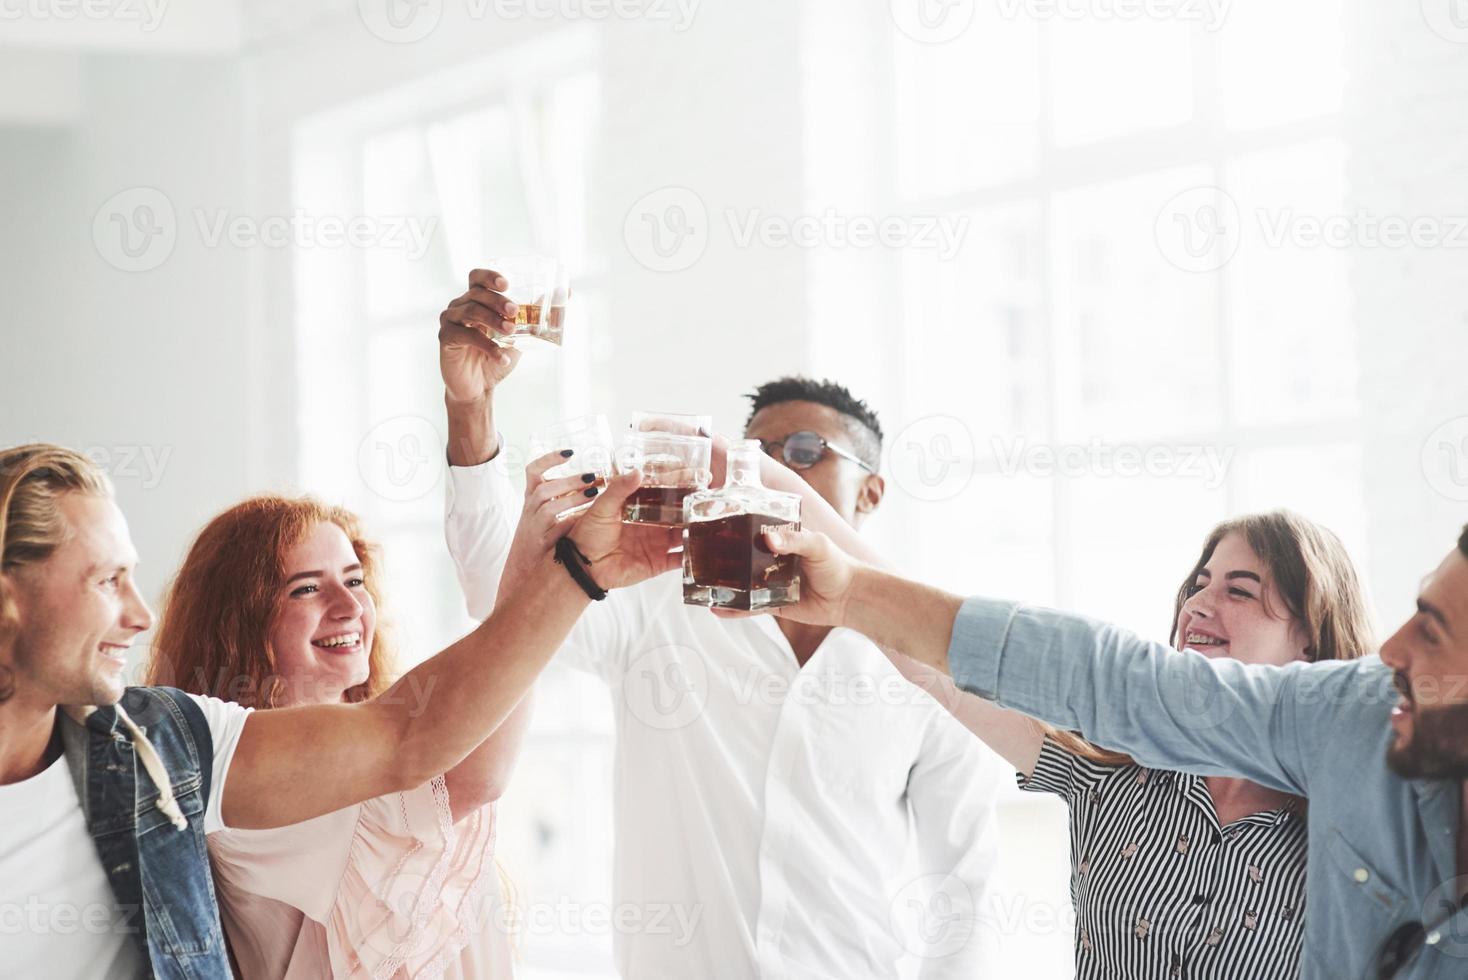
483 162
1139 336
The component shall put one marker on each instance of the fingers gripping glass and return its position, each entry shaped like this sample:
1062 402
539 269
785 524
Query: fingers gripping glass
802 450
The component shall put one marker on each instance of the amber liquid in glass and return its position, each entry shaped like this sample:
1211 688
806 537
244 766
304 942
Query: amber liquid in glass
733 569
656 505
538 320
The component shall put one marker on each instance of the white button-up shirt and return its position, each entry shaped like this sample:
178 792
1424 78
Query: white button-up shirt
825 821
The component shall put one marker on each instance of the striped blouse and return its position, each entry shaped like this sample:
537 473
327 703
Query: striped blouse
1161 890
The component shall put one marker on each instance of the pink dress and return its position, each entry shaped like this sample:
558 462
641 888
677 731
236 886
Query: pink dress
390 889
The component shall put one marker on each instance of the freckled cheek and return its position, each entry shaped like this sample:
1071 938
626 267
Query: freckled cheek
290 638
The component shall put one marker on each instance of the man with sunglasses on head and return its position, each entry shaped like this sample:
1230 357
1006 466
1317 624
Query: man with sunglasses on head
805 810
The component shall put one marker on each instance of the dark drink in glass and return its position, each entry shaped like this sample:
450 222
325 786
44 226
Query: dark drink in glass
726 564
673 453
656 505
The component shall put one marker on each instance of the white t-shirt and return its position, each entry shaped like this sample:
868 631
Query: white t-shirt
58 916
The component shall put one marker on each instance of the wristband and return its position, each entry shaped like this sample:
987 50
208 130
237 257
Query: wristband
569 555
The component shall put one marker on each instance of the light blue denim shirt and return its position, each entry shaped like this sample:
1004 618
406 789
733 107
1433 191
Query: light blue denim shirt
1382 849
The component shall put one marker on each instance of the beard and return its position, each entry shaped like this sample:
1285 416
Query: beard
1437 748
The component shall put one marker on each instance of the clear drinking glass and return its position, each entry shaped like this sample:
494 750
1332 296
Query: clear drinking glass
674 453
539 286
589 437
725 562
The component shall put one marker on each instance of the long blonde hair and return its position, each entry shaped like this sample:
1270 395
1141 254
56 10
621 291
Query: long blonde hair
1311 572
33 479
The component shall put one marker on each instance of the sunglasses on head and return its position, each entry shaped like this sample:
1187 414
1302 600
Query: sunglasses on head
802 450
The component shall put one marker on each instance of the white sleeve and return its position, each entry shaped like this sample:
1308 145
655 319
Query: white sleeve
226 720
480 518
951 791
480 515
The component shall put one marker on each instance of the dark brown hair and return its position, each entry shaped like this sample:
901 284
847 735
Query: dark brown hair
1313 575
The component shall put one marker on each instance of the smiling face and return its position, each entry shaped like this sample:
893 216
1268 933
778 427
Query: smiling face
847 487
1235 610
1430 656
324 619
79 610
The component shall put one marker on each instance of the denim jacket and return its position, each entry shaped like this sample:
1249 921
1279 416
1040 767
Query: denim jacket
152 862
1382 849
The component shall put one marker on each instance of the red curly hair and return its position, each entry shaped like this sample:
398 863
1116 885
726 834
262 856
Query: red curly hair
214 634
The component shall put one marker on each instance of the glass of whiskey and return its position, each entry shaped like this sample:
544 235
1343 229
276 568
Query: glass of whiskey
726 564
539 287
674 453
589 438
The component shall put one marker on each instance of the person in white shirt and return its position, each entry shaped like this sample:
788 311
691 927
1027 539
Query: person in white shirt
783 788
104 809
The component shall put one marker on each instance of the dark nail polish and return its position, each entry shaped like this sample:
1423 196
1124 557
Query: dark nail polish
567 453
588 477
591 491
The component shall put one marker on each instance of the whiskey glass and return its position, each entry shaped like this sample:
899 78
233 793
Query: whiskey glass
539 287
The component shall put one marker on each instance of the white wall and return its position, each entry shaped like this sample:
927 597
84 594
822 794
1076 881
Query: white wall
152 368
1406 104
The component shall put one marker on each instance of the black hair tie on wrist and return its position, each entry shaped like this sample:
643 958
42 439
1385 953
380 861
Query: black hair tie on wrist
569 555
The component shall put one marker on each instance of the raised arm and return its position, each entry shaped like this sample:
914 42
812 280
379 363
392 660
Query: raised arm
293 764
473 366
1015 737
1167 709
